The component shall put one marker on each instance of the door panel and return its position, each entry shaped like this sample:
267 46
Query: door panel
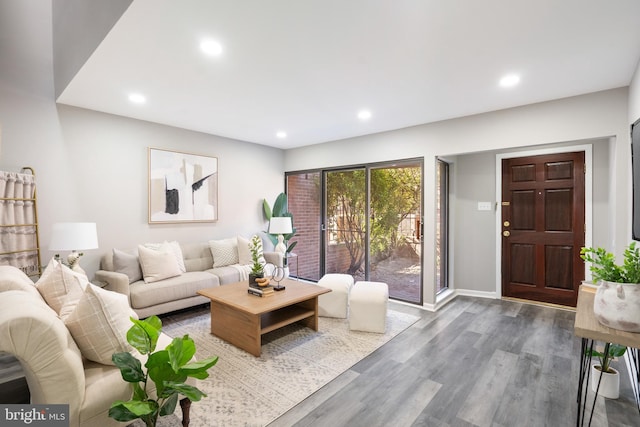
543 227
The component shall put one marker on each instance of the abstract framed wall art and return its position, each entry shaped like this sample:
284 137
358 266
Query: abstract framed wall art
183 187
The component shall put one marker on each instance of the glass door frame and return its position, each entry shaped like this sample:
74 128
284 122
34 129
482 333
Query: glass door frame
322 225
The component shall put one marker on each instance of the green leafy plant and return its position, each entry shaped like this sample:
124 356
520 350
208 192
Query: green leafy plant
168 369
615 350
604 267
280 208
255 247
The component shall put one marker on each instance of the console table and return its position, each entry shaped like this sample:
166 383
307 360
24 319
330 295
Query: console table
590 330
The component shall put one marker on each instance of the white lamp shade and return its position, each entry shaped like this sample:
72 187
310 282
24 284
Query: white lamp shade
69 236
280 225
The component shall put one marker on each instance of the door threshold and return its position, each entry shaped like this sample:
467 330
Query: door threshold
543 304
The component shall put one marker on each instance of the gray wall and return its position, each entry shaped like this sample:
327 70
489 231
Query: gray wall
571 121
474 241
92 167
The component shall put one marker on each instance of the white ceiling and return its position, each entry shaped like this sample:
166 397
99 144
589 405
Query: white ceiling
307 67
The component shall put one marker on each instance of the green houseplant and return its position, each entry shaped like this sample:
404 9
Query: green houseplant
168 369
604 268
604 374
617 300
257 266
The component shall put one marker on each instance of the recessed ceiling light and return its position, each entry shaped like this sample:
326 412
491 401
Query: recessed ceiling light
211 47
364 115
137 98
281 135
510 80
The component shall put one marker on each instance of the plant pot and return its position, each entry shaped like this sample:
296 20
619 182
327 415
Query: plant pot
253 277
617 305
610 384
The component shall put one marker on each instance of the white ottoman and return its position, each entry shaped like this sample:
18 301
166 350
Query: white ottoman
368 307
336 302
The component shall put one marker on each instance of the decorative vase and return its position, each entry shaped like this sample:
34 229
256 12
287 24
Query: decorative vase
617 305
609 385
253 277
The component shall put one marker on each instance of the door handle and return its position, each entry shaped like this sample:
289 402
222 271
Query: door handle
506 233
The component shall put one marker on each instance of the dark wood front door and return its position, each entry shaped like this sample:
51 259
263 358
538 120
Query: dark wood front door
543 227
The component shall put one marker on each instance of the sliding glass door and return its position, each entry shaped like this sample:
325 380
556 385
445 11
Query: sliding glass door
364 221
395 236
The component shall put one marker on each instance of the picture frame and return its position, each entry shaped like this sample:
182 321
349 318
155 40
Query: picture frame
183 187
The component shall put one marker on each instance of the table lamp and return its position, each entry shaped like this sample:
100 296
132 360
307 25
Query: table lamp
73 236
280 225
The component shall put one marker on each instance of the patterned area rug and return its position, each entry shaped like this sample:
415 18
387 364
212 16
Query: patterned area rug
243 390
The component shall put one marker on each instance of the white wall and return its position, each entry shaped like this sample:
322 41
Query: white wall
92 167
598 115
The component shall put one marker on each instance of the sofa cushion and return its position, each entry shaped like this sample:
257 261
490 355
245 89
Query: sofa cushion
197 256
174 247
158 264
172 289
127 263
224 252
59 285
99 323
231 273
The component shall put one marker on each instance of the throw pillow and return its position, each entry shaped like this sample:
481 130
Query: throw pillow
174 246
224 252
157 264
99 324
128 264
59 285
244 253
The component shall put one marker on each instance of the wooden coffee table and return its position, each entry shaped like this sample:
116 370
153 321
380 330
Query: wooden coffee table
241 319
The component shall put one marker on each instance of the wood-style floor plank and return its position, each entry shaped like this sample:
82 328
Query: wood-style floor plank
475 363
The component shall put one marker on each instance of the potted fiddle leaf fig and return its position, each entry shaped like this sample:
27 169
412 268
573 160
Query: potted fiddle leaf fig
168 369
257 265
617 299
610 382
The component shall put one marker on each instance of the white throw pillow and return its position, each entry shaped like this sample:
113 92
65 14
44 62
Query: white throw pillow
174 246
128 264
60 285
157 264
224 252
244 253
99 324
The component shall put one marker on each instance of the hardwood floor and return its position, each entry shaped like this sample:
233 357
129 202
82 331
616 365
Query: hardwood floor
476 362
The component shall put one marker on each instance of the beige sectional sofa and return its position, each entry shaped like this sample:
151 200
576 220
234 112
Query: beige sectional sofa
200 270
57 349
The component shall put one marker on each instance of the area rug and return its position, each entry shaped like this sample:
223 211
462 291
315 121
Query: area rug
244 390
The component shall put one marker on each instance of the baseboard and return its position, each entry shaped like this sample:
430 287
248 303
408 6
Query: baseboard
449 295
479 294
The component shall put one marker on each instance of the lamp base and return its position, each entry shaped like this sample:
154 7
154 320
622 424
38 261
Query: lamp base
279 287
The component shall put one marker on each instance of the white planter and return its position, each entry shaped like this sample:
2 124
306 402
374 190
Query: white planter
610 384
617 305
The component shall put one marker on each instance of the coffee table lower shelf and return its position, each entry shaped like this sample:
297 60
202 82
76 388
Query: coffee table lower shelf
283 317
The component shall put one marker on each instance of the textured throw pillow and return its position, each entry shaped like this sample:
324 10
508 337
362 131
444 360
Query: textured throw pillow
157 264
99 324
224 252
244 253
128 264
174 246
60 285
